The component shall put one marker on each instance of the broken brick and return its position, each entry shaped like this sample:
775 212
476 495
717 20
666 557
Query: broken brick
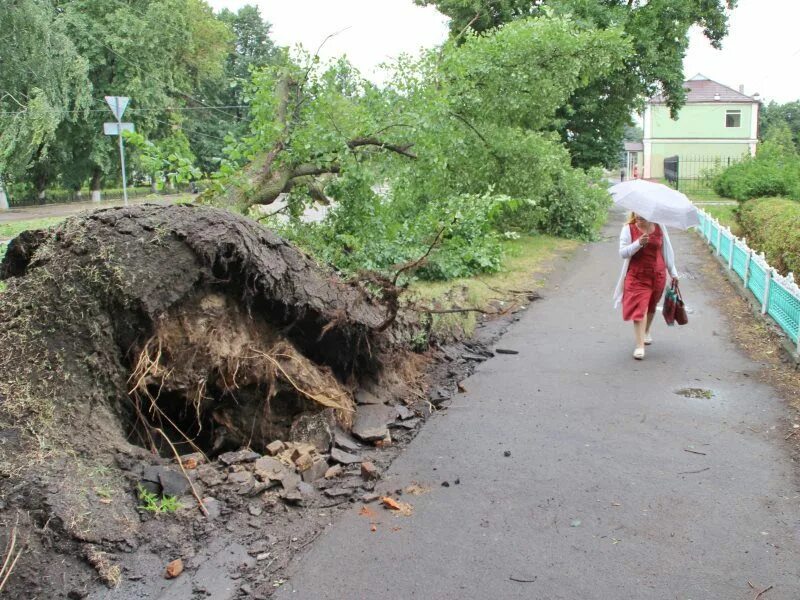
369 471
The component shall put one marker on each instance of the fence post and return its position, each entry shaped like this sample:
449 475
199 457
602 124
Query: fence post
730 254
798 337
747 266
767 285
719 237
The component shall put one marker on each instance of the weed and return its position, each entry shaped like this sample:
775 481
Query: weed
155 504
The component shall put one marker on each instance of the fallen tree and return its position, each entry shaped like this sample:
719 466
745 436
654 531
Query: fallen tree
163 330
185 300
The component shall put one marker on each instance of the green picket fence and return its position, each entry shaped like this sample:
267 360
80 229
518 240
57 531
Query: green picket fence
778 296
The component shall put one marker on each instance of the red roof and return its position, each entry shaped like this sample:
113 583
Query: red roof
702 89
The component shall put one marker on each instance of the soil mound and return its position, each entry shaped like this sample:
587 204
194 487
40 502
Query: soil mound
158 330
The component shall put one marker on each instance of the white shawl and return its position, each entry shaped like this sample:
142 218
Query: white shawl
628 249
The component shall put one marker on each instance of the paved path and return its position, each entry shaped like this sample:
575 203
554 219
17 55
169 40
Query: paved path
598 500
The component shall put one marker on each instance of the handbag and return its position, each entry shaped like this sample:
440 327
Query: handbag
674 310
681 318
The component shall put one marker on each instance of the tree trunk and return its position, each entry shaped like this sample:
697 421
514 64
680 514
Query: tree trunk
41 188
3 197
97 178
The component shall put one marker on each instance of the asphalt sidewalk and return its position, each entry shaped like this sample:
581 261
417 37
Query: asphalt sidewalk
616 486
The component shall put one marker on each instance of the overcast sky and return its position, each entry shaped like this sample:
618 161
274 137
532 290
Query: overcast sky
762 51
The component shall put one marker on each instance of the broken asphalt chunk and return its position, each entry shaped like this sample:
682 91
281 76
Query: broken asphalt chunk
371 422
342 457
240 456
345 442
173 483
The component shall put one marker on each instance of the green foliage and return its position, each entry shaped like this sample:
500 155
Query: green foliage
157 504
774 115
471 155
170 159
772 226
381 235
774 171
43 83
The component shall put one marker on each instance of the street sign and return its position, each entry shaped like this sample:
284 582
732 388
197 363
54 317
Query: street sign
117 104
114 128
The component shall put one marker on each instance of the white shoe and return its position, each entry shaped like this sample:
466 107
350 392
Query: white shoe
638 354
648 339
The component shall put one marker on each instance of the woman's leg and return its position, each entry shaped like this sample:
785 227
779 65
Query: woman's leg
639 332
650 317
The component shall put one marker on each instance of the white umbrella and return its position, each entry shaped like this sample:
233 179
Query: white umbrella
656 202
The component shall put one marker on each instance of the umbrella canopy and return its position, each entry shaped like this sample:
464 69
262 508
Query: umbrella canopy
656 203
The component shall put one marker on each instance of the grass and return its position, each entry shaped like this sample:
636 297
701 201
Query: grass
14 228
725 215
525 262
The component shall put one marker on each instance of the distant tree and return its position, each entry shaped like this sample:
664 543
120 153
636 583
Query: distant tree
250 48
43 84
633 133
774 115
155 51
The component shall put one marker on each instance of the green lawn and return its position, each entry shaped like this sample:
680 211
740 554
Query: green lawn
10 230
14 228
525 262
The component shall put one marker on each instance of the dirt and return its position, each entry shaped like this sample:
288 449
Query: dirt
143 348
146 332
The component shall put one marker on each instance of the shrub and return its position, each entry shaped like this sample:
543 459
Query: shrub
772 226
774 171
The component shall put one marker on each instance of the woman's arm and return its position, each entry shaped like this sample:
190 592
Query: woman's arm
626 248
669 254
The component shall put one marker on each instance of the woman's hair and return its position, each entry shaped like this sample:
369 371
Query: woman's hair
631 218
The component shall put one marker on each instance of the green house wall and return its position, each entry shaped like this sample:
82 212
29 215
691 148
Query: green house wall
702 121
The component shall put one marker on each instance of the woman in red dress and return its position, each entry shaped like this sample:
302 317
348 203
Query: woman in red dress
648 255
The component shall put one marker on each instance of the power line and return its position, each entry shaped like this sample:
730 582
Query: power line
136 110
143 71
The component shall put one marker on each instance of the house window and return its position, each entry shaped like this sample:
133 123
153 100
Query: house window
733 118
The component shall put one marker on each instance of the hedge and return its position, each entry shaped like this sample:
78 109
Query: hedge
772 226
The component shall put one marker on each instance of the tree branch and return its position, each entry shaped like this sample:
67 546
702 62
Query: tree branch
371 141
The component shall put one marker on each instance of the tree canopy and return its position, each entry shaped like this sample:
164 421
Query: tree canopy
593 120
183 67
43 83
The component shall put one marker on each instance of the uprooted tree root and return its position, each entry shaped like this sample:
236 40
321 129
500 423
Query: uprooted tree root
170 329
211 354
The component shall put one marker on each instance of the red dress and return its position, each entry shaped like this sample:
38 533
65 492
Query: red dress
646 277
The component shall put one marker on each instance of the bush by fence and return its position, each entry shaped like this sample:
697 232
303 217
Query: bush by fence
773 226
778 296
774 171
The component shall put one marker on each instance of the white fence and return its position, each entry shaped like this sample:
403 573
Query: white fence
778 296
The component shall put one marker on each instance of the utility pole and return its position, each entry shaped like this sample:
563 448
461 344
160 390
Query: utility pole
118 104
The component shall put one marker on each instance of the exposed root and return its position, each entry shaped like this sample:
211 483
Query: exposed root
211 354
109 573
11 556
